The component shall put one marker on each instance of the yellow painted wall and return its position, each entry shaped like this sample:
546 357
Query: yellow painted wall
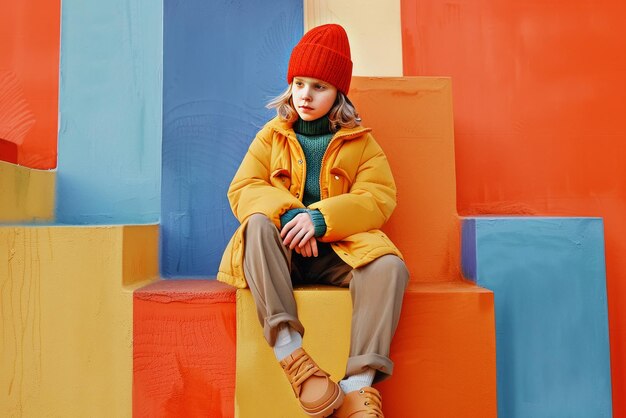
373 27
26 194
66 327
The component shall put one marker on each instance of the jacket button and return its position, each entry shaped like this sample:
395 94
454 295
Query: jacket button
297 194
299 161
336 177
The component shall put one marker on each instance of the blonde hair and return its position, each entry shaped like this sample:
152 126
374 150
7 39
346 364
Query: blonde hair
341 115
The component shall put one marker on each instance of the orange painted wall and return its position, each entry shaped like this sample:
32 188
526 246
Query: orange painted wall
538 90
29 81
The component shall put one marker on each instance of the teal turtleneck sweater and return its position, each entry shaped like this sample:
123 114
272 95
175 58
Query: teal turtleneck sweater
314 137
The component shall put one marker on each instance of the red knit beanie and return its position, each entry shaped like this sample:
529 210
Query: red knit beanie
323 53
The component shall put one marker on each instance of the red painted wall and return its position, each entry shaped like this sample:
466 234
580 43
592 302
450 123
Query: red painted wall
29 82
538 90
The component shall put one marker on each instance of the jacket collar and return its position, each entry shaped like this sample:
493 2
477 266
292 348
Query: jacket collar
285 128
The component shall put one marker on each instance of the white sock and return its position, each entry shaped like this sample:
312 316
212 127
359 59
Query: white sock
358 381
287 341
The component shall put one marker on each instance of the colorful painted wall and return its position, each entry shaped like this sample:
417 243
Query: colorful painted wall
86 80
538 90
150 106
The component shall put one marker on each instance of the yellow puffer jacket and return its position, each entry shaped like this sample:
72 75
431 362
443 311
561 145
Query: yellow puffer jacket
358 193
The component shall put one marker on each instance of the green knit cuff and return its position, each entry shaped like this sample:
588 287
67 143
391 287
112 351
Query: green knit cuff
316 216
289 215
318 222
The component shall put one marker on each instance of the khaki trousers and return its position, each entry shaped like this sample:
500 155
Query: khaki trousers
377 290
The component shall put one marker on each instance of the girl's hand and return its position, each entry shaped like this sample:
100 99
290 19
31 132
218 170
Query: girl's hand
309 249
298 232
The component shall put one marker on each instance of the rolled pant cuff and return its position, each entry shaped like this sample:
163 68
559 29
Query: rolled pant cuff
382 364
270 327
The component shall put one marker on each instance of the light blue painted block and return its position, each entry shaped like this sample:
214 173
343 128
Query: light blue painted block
223 60
110 99
548 279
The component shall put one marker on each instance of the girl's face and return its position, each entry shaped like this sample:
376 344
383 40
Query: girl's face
312 98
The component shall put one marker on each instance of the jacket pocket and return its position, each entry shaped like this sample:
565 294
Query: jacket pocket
281 178
339 182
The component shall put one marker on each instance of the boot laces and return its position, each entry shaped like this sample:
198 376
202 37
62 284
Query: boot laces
298 374
373 403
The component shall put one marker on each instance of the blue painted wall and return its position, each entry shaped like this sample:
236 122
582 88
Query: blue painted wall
109 166
548 279
223 60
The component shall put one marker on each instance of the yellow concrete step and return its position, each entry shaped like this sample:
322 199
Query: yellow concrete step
66 298
26 194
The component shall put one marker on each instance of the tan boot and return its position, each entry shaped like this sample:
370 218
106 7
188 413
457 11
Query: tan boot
318 395
366 402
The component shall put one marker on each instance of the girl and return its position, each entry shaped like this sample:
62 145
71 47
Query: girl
311 194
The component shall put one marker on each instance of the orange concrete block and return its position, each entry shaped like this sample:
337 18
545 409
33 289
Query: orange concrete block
184 349
411 118
445 354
